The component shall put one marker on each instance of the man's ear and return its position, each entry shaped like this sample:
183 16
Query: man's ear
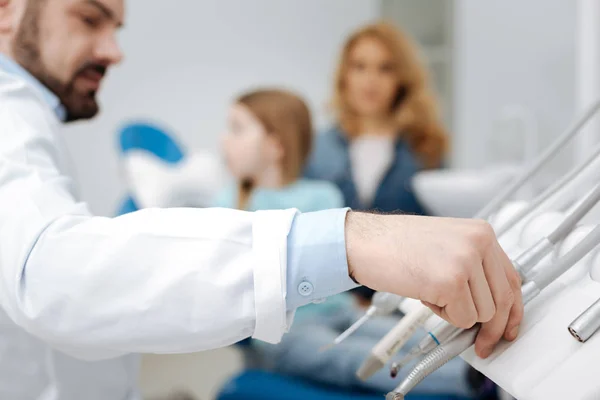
7 16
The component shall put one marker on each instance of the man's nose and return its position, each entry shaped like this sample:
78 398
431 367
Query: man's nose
108 50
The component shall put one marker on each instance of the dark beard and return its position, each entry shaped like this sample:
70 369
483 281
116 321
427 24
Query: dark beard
26 51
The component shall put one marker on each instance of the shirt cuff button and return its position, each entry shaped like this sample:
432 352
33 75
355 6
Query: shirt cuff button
305 288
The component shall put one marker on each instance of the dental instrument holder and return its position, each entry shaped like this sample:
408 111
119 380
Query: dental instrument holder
560 370
524 264
444 353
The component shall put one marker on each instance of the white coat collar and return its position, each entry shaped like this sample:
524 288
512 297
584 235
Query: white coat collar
10 66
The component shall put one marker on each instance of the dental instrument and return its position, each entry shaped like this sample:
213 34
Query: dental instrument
532 256
549 192
441 356
382 304
441 333
393 341
587 324
445 352
534 167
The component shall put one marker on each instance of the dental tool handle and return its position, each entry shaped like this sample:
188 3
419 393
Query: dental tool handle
580 211
442 333
587 324
548 193
558 144
386 303
532 256
404 330
436 359
382 304
527 260
355 326
553 271
529 291
393 341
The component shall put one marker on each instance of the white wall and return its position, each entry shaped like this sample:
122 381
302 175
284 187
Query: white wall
184 64
509 52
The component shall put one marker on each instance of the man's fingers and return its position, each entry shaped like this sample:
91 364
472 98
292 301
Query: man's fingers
436 309
517 310
482 296
495 264
461 311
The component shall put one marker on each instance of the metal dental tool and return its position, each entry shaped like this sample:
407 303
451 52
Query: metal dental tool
445 352
442 333
531 257
382 304
549 192
434 360
587 324
535 166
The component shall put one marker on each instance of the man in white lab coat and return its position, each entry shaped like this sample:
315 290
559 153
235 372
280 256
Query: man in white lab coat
178 280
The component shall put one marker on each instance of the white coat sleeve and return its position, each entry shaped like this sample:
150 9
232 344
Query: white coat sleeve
158 280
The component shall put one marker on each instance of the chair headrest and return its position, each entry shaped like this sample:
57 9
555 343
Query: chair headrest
152 139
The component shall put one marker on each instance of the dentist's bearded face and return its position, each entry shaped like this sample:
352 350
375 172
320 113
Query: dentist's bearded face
68 45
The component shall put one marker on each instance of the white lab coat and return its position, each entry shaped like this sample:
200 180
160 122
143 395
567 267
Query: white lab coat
98 289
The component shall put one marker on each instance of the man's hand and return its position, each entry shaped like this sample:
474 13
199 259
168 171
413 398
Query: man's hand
454 266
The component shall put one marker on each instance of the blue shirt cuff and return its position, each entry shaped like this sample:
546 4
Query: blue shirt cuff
317 266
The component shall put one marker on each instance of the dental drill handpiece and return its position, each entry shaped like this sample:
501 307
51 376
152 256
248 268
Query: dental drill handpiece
530 290
440 356
587 324
441 333
382 304
524 263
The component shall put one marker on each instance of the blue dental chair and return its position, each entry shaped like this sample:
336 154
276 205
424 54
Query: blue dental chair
250 384
152 139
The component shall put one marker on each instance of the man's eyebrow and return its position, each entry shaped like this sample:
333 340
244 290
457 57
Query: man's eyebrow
105 10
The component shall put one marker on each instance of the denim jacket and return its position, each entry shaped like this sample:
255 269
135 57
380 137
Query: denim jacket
330 161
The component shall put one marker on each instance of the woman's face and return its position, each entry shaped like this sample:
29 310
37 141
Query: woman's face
247 146
371 83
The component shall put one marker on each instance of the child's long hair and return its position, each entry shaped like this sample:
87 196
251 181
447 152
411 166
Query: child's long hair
415 109
285 115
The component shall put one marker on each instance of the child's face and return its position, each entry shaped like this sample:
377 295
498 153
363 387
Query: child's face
247 146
